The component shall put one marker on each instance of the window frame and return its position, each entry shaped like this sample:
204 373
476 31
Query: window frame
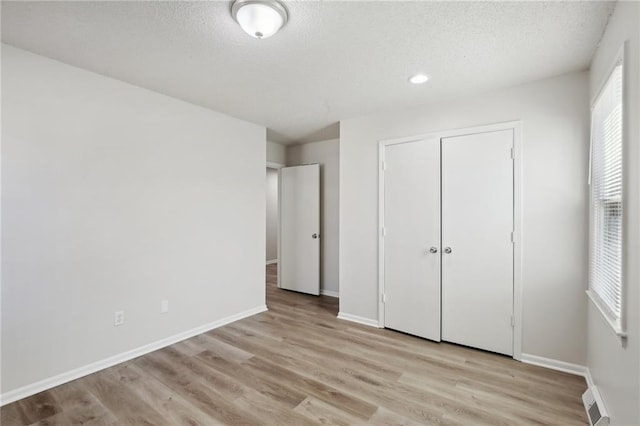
617 324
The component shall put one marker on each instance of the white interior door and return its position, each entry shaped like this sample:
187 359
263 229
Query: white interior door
477 258
299 258
412 238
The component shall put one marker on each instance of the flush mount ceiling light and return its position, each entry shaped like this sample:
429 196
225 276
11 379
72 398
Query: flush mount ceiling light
259 18
418 78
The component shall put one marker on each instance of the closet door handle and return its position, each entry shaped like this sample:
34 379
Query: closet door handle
433 250
447 250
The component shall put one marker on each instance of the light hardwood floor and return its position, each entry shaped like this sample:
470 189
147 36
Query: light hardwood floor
297 364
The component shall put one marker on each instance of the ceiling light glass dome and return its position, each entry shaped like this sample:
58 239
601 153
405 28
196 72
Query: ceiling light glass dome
259 18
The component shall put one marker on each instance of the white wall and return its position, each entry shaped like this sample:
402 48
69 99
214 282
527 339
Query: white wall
327 154
554 113
272 215
615 368
115 198
276 153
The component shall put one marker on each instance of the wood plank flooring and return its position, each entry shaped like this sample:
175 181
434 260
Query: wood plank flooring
297 365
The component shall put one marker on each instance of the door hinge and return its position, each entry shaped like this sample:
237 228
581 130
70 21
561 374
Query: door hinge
384 231
513 154
384 165
384 298
513 321
513 237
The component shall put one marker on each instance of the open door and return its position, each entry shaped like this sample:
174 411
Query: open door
299 258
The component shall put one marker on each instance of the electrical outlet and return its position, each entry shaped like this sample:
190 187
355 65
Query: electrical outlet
164 306
118 318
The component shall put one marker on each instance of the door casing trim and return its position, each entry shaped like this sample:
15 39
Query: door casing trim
516 126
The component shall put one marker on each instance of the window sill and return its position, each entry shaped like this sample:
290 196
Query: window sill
622 334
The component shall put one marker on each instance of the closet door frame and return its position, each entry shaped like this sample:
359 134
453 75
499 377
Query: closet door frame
517 216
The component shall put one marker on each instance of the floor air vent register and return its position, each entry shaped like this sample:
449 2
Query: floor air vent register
596 411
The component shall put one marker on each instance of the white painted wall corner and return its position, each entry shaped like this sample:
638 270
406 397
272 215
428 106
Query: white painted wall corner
588 377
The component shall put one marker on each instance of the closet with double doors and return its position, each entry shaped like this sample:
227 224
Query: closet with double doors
447 252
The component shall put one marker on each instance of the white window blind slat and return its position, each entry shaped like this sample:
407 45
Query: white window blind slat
606 197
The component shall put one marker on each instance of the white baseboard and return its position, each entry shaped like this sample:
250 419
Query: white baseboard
357 319
553 364
589 379
271 262
51 382
329 293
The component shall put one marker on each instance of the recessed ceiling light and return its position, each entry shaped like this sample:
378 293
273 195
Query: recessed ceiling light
419 78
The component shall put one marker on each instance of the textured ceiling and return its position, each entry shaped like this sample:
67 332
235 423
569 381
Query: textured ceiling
333 60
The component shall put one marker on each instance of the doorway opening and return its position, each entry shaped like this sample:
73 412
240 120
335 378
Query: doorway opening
272 213
271 237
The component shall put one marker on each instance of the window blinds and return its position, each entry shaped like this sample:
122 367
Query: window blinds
606 197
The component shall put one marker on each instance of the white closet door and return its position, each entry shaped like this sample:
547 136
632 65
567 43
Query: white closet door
412 232
477 221
299 257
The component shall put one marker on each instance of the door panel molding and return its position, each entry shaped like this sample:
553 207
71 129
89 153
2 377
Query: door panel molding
516 126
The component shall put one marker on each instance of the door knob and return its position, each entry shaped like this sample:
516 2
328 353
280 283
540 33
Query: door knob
433 250
447 250
314 236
